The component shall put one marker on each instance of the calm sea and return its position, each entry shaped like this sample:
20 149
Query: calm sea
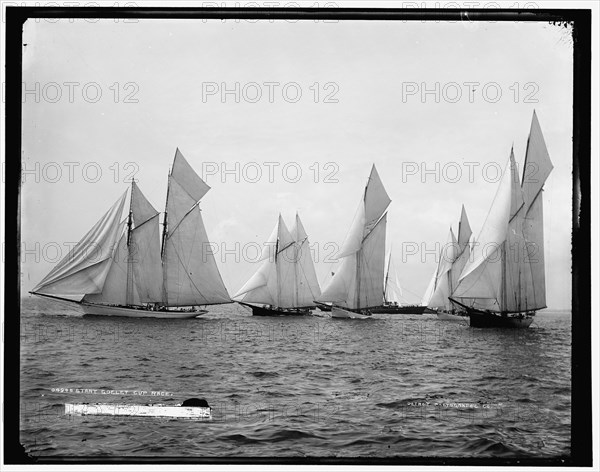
396 385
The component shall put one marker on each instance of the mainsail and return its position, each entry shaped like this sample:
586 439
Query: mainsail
286 277
190 272
358 283
506 273
134 277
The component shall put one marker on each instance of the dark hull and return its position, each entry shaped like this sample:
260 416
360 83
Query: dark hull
479 319
406 310
260 311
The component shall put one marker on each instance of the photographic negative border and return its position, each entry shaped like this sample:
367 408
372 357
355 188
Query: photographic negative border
581 413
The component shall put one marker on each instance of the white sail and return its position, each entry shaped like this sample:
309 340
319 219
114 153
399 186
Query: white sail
533 232
275 281
114 289
524 284
358 283
537 165
512 278
256 289
307 285
481 278
285 268
464 249
85 268
536 158
485 248
371 264
425 301
393 290
443 281
464 231
145 248
376 201
341 286
190 272
135 275
355 236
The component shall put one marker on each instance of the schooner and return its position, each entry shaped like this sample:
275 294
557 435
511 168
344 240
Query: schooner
286 282
357 286
503 284
453 257
125 267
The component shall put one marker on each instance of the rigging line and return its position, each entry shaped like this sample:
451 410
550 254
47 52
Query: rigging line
171 231
146 221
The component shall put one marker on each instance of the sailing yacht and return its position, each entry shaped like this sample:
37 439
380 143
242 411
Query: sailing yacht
120 269
503 285
286 282
453 257
357 286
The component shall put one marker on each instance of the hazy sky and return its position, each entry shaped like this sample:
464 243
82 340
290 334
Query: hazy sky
161 85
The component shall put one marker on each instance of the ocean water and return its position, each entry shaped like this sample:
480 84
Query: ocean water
392 386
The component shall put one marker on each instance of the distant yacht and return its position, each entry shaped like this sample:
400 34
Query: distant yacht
357 286
453 257
286 282
119 268
505 286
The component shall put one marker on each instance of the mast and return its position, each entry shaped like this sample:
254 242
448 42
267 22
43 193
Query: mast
503 294
359 252
357 298
130 252
164 241
454 257
296 261
277 268
387 277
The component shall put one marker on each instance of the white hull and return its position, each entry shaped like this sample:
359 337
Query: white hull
337 312
450 317
158 410
105 310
